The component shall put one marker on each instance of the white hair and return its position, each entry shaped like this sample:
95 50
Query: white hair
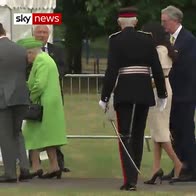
37 26
132 21
173 12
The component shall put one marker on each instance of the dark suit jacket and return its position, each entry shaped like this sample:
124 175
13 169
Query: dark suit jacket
183 73
132 48
13 88
59 57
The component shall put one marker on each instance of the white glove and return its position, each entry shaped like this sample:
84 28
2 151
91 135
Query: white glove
161 103
110 112
103 105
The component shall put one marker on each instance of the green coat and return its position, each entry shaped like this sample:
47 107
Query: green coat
44 86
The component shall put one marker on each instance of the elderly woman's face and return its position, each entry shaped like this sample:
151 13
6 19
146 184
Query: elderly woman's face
31 55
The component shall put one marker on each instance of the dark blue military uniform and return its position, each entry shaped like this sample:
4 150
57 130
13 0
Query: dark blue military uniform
132 56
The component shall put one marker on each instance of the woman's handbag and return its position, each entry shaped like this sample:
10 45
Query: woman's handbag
34 112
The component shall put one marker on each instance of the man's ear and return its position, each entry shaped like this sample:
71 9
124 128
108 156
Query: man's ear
118 21
136 21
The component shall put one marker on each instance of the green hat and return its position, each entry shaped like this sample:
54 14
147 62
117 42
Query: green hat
29 42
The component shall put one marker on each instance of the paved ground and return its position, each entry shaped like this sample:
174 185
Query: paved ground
101 184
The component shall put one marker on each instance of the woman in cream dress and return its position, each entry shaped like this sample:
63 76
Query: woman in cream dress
158 121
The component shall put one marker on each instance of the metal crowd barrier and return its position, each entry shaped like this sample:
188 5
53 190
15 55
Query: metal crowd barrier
146 138
97 77
86 76
82 76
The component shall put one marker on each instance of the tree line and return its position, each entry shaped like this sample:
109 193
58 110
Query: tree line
87 19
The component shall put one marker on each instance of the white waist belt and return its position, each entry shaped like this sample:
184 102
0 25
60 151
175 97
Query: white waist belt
134 70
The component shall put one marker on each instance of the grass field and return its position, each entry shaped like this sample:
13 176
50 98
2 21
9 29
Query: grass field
43 192
89 158
84 116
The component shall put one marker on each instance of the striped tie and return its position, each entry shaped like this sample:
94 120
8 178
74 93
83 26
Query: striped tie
172 40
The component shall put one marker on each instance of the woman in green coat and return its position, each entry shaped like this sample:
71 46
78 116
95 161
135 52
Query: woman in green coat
44 88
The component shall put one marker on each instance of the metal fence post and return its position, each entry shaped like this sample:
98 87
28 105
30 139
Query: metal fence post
96 76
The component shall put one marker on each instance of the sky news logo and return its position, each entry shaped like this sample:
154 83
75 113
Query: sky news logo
37 18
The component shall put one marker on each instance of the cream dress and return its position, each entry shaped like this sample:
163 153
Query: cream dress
157 121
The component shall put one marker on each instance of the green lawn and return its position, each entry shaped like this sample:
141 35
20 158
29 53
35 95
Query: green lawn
89 158
62 192
84 117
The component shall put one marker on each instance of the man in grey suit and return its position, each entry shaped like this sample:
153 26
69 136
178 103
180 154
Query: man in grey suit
14 97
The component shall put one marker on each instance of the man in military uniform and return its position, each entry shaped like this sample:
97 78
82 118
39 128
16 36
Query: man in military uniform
131 57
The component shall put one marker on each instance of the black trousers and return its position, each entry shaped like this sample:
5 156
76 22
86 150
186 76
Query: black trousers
135 144
60 155
61 86
182 129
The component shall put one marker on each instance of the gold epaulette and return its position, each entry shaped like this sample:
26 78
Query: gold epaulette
147 33
113 34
